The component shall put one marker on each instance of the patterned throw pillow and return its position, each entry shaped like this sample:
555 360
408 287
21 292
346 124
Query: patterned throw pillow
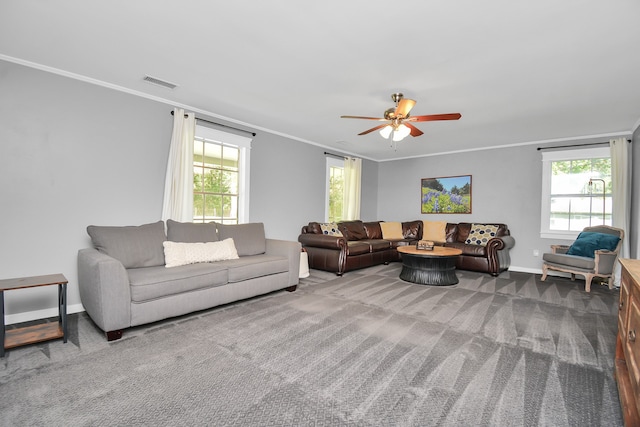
480 234
330 229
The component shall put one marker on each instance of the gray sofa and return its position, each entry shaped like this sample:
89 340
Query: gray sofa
124 281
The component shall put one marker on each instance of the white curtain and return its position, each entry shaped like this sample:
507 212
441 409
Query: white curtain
352 185
621 184
178 184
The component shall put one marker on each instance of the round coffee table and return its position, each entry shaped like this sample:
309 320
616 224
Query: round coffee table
436 267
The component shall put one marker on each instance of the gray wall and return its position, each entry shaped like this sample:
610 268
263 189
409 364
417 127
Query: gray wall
74 154
71 154
506 187
288 185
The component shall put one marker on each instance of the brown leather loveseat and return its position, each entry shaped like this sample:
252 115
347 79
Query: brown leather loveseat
362 245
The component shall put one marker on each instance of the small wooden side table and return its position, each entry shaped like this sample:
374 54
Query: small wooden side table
36 333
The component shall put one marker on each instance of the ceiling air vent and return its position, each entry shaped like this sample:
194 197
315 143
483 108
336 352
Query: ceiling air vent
159 82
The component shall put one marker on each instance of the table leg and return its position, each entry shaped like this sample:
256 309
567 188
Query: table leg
2 323
62 309
436 271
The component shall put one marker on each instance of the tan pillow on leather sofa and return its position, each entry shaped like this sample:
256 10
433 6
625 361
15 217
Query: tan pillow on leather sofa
435 231
391 230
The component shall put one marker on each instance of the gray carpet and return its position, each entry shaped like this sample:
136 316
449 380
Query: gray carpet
365 350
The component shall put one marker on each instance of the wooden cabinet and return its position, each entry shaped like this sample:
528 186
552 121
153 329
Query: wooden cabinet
627 363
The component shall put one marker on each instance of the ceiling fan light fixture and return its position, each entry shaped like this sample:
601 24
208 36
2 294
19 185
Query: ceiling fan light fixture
385 132
395 129
401 132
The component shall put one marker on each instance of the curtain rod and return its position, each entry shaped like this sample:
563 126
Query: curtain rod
220 124
326 153
575 145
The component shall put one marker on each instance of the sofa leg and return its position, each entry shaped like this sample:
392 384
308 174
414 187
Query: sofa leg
291 288
114 335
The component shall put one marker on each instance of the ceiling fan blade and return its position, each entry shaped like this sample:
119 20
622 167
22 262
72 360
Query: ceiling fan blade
434 117
373 129
360 117
414 130
404 106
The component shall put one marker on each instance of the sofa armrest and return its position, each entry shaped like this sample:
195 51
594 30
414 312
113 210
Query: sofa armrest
498 256
559 249
104 290
323 241
288 249
605 261
508 242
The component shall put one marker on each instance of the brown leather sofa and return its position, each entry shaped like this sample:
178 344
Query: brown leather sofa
493 258
362 245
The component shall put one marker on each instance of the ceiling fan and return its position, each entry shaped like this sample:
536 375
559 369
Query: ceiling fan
399 120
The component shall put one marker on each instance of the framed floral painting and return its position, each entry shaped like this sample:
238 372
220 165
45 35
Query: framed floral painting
449 194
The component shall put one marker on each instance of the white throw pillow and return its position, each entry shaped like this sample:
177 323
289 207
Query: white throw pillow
179 253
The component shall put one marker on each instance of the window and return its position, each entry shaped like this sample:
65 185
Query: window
576 191
220 176
335 190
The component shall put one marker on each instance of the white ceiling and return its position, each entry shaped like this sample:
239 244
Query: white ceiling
518 72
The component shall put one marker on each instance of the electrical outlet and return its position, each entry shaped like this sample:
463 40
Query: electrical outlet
536 252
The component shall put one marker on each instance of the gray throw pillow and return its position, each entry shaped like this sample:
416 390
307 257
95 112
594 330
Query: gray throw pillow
189 232
133 246
248 238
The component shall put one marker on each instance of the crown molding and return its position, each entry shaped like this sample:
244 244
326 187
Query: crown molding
521 144
161 100
133 92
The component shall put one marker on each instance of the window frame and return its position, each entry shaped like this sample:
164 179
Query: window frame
547 159
243 144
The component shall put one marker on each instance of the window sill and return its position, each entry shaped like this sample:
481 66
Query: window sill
559 235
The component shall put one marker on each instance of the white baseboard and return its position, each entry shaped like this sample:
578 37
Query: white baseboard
46 313
539 271
526 270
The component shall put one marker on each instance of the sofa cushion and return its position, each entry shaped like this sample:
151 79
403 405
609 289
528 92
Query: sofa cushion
585 263
404 242
434 231
313 228
377 245
249 239
480 234
150 283
134 246
411 229
588 242
353 230
469 250
391 230
179 253
357 247
330 229
253 266
373 230
191 232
